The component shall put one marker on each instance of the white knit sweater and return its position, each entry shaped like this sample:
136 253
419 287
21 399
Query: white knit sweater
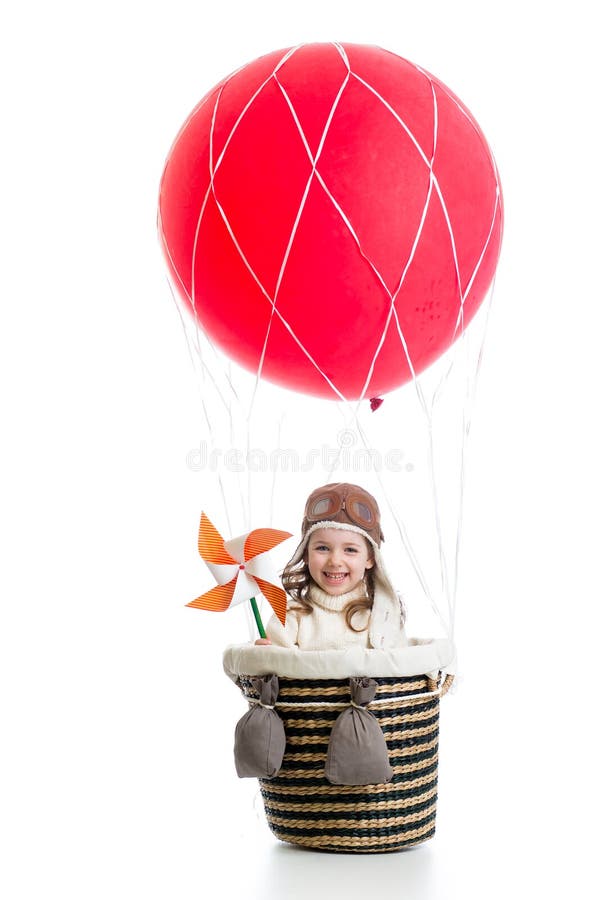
325 627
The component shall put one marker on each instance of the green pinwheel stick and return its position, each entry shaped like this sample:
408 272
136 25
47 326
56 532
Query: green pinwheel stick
259 624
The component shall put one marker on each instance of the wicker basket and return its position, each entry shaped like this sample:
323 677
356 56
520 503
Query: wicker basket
302 807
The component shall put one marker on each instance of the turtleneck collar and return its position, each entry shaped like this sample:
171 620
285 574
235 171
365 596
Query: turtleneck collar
332 602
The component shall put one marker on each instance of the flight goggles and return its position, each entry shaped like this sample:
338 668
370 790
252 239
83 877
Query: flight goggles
347 504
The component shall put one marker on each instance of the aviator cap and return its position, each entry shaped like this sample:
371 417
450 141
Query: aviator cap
346 504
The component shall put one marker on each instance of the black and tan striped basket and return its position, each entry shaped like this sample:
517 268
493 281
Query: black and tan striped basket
302 807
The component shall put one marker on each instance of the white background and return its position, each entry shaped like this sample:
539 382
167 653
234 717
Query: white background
117 778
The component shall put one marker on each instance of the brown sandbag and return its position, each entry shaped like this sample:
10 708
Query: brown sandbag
259 735
357 752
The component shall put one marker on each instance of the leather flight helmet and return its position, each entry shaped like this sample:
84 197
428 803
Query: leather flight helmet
346 504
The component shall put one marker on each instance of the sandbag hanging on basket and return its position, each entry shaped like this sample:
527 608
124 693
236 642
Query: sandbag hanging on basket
259 735
357 752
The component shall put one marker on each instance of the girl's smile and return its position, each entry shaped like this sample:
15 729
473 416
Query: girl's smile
337 559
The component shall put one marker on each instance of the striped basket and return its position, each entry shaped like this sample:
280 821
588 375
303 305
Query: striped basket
302 807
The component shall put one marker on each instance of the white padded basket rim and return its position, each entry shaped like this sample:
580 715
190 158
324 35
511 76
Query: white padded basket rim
420 657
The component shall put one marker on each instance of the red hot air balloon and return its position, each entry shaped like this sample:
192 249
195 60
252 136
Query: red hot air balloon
332 215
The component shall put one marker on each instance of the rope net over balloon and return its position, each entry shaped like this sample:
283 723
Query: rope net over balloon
331 217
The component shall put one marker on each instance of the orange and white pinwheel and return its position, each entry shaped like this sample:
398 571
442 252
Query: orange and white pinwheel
241 568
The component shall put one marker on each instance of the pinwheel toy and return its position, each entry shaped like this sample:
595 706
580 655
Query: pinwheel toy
242 569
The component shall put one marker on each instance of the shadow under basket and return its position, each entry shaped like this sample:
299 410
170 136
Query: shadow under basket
303 807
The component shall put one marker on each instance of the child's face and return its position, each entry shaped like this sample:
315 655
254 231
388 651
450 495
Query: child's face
337 559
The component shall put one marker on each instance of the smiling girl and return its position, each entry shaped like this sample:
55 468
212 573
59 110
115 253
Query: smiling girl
339 592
